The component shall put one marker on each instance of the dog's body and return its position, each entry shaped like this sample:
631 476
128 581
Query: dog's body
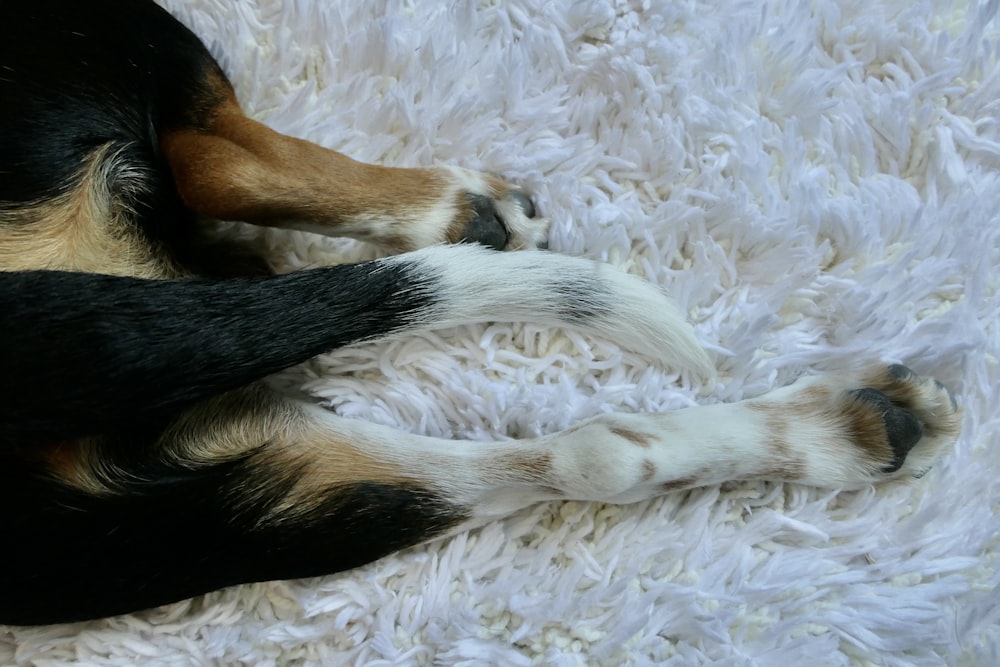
143 461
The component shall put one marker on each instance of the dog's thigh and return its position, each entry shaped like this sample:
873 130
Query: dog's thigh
244 487
249 486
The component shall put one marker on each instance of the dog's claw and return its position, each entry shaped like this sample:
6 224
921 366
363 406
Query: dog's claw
524 201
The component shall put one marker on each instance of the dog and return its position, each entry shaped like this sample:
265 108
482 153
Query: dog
144 459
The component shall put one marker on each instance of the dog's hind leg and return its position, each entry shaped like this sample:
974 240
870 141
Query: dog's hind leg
235 168
251 486
144 358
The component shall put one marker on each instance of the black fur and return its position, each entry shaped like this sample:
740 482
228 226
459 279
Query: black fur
83 353
119 358
172 533
78 75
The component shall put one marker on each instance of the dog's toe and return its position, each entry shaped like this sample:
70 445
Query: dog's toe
485 226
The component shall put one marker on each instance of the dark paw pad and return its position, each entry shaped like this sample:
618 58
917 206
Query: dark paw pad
903 430
485 226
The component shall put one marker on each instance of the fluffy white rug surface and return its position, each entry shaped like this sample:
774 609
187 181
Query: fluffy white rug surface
815 182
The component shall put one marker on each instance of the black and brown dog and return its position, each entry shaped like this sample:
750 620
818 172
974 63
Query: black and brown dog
142 458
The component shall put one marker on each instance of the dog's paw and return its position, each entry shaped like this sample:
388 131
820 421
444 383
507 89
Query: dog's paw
904 422
886 423
487 210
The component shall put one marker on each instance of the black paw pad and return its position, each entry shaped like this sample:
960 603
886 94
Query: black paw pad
485 227
903 430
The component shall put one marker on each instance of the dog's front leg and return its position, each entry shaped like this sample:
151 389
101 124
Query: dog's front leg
239 169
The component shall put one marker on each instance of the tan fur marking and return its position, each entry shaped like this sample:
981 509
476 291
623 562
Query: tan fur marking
243 170
679 484
69 462
815 394
321 464
866 428
231 425
648 470
911 392
535 468
283 440
324 461
220 429
783 463
777 433
783 470
85 229
900 391
638 439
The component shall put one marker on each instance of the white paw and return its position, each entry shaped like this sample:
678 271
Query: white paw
886 423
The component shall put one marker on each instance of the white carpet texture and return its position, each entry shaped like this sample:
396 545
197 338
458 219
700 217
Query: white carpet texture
815 182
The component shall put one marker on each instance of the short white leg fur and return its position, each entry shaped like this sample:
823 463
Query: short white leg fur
828 431
823 431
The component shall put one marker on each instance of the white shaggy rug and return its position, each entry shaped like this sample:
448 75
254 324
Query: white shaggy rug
816 182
